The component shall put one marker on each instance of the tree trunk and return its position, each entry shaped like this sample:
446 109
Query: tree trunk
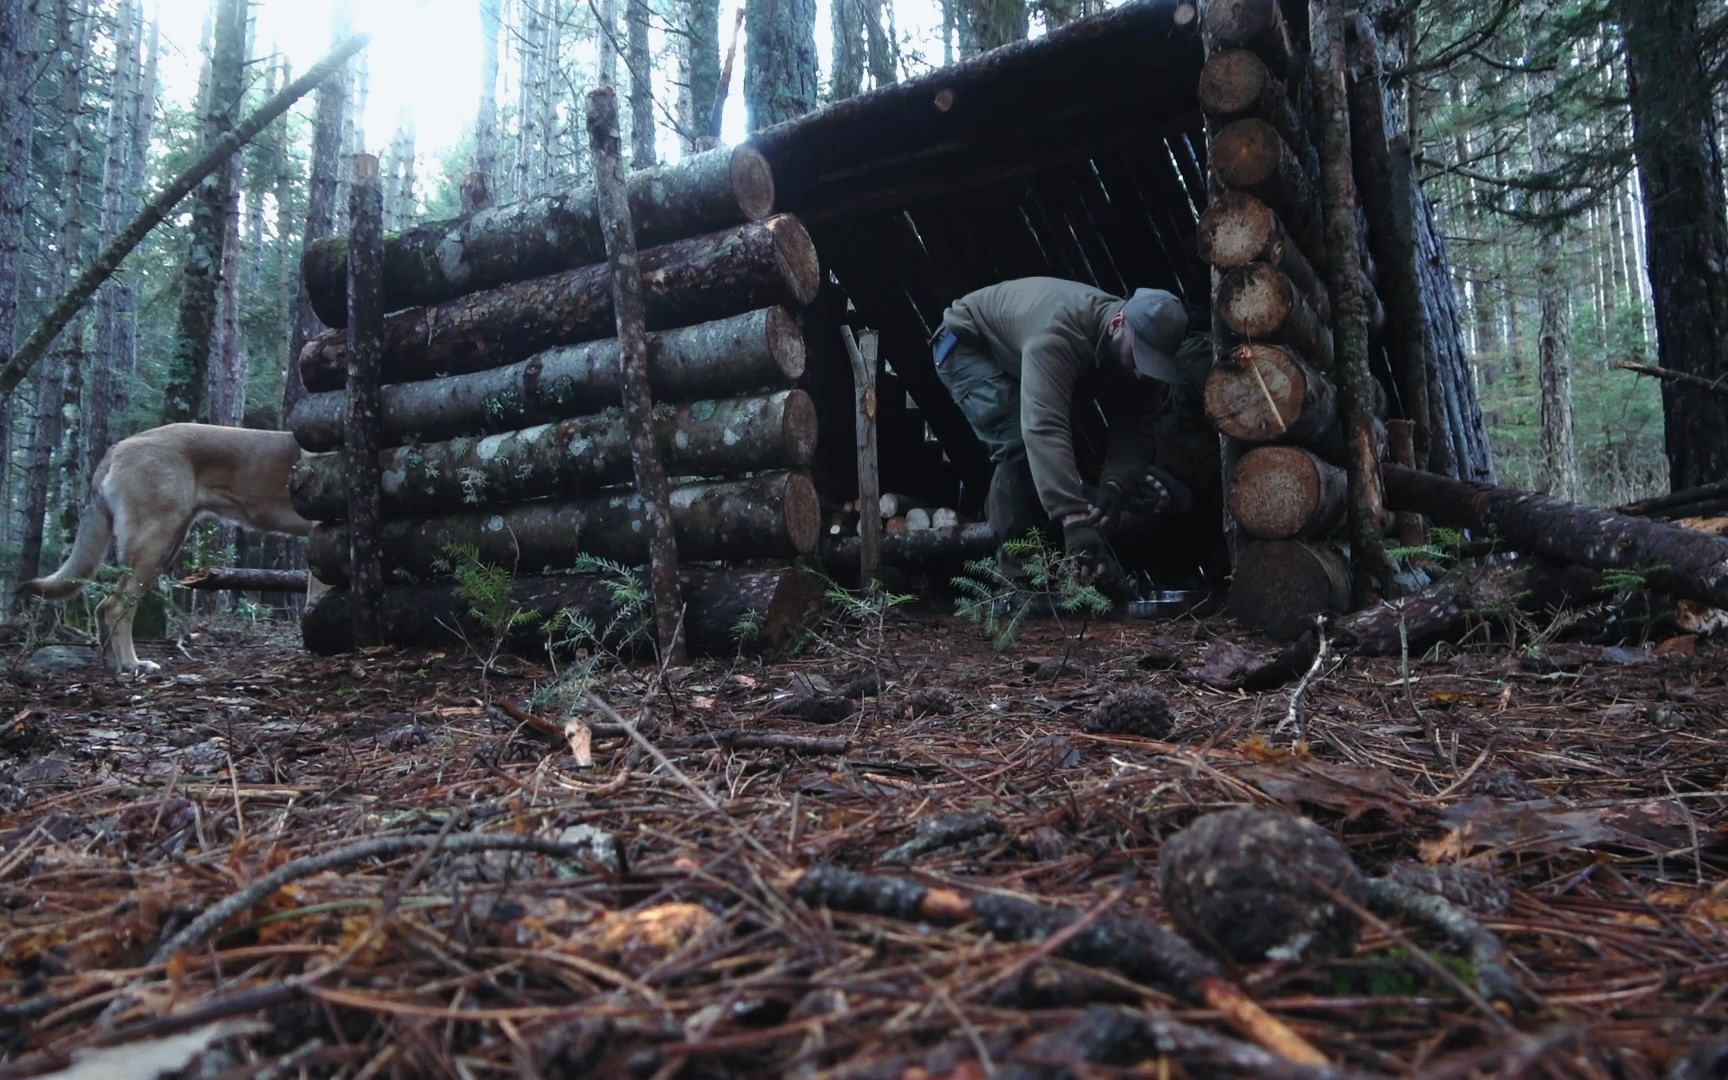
1687 563
486 121
320 223
1287 493
1251 157
632 324
18 52
944 546
996 23
758 350
443 260
1280 585
728 610
642 154
769 516
607 41
244 579
780 75
702 67
1264 393
201 272
361 442
730 437
1371 571
225 391
111 306
1259 302
529 44
1238 230
45 432
1554 354
884 54
703 278
1686 226
846 49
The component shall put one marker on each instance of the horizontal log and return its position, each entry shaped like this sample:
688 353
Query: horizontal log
244 579
1249 155
759 350
725 610
773 515
728 437
1266 393
1279 586
896 505
1690 564
1260 303
1252 24
1287 493
1238 230
442 260
1236 84
703 278
947 545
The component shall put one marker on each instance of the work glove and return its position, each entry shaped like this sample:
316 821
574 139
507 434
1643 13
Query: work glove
1097 564
1111 501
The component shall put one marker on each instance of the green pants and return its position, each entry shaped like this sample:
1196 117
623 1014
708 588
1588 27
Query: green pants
990 401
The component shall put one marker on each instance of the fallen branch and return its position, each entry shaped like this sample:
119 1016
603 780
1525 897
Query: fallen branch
948 830
1487 958
1293 718
1715 386
1667 505
1137 948
80 292
382 847
244 579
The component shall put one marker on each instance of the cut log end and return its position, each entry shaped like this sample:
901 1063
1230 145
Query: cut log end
1232 82
795 255
803 511
752 183
798 428
785 342
1257 396
1282 492
1239 21
1280 585
1256 300
1248 154
1237 230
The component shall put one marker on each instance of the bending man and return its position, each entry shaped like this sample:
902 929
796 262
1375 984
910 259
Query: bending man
1018 356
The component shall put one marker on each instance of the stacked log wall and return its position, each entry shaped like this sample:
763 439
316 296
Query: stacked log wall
500 423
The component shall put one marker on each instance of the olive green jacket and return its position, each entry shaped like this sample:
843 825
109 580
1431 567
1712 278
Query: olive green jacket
1045 332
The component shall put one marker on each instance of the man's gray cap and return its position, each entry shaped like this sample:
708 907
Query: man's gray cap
1159 322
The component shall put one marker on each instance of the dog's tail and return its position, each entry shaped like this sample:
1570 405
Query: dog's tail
89 548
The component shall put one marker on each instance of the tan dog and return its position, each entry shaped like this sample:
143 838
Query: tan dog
145 495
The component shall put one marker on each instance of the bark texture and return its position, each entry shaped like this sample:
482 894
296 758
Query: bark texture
361 443
755 351
727 610
320 223
770 516
780 75
529 238
690 281
729 437
1686 225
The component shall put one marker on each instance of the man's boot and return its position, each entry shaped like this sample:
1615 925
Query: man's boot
1012 509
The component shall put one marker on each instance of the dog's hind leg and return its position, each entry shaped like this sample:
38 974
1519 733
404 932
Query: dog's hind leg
143 549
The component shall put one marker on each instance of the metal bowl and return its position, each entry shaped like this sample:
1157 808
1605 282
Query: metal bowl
1170 604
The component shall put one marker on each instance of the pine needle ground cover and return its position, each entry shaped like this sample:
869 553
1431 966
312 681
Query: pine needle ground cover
901 853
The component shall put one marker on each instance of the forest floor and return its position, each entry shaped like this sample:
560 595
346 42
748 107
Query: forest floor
667 937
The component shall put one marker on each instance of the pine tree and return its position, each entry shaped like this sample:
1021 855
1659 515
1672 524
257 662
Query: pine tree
642 153
779 60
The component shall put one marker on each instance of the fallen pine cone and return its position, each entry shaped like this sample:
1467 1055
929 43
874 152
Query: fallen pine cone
1139 711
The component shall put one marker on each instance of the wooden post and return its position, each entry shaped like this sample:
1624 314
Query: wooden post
862 352
1371 571
1401 442
361 437
633 356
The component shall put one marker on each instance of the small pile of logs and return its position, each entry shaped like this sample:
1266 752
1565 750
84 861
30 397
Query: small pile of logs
914 533
500 423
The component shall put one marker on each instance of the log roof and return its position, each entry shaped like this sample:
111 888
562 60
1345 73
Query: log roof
1079 154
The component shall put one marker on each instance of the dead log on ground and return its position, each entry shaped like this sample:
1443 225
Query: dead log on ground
1446 610
757 350
442 260
773 515
1690 564
948 545
725 610
688 281
1263 393
704 438
244 579
1287 493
